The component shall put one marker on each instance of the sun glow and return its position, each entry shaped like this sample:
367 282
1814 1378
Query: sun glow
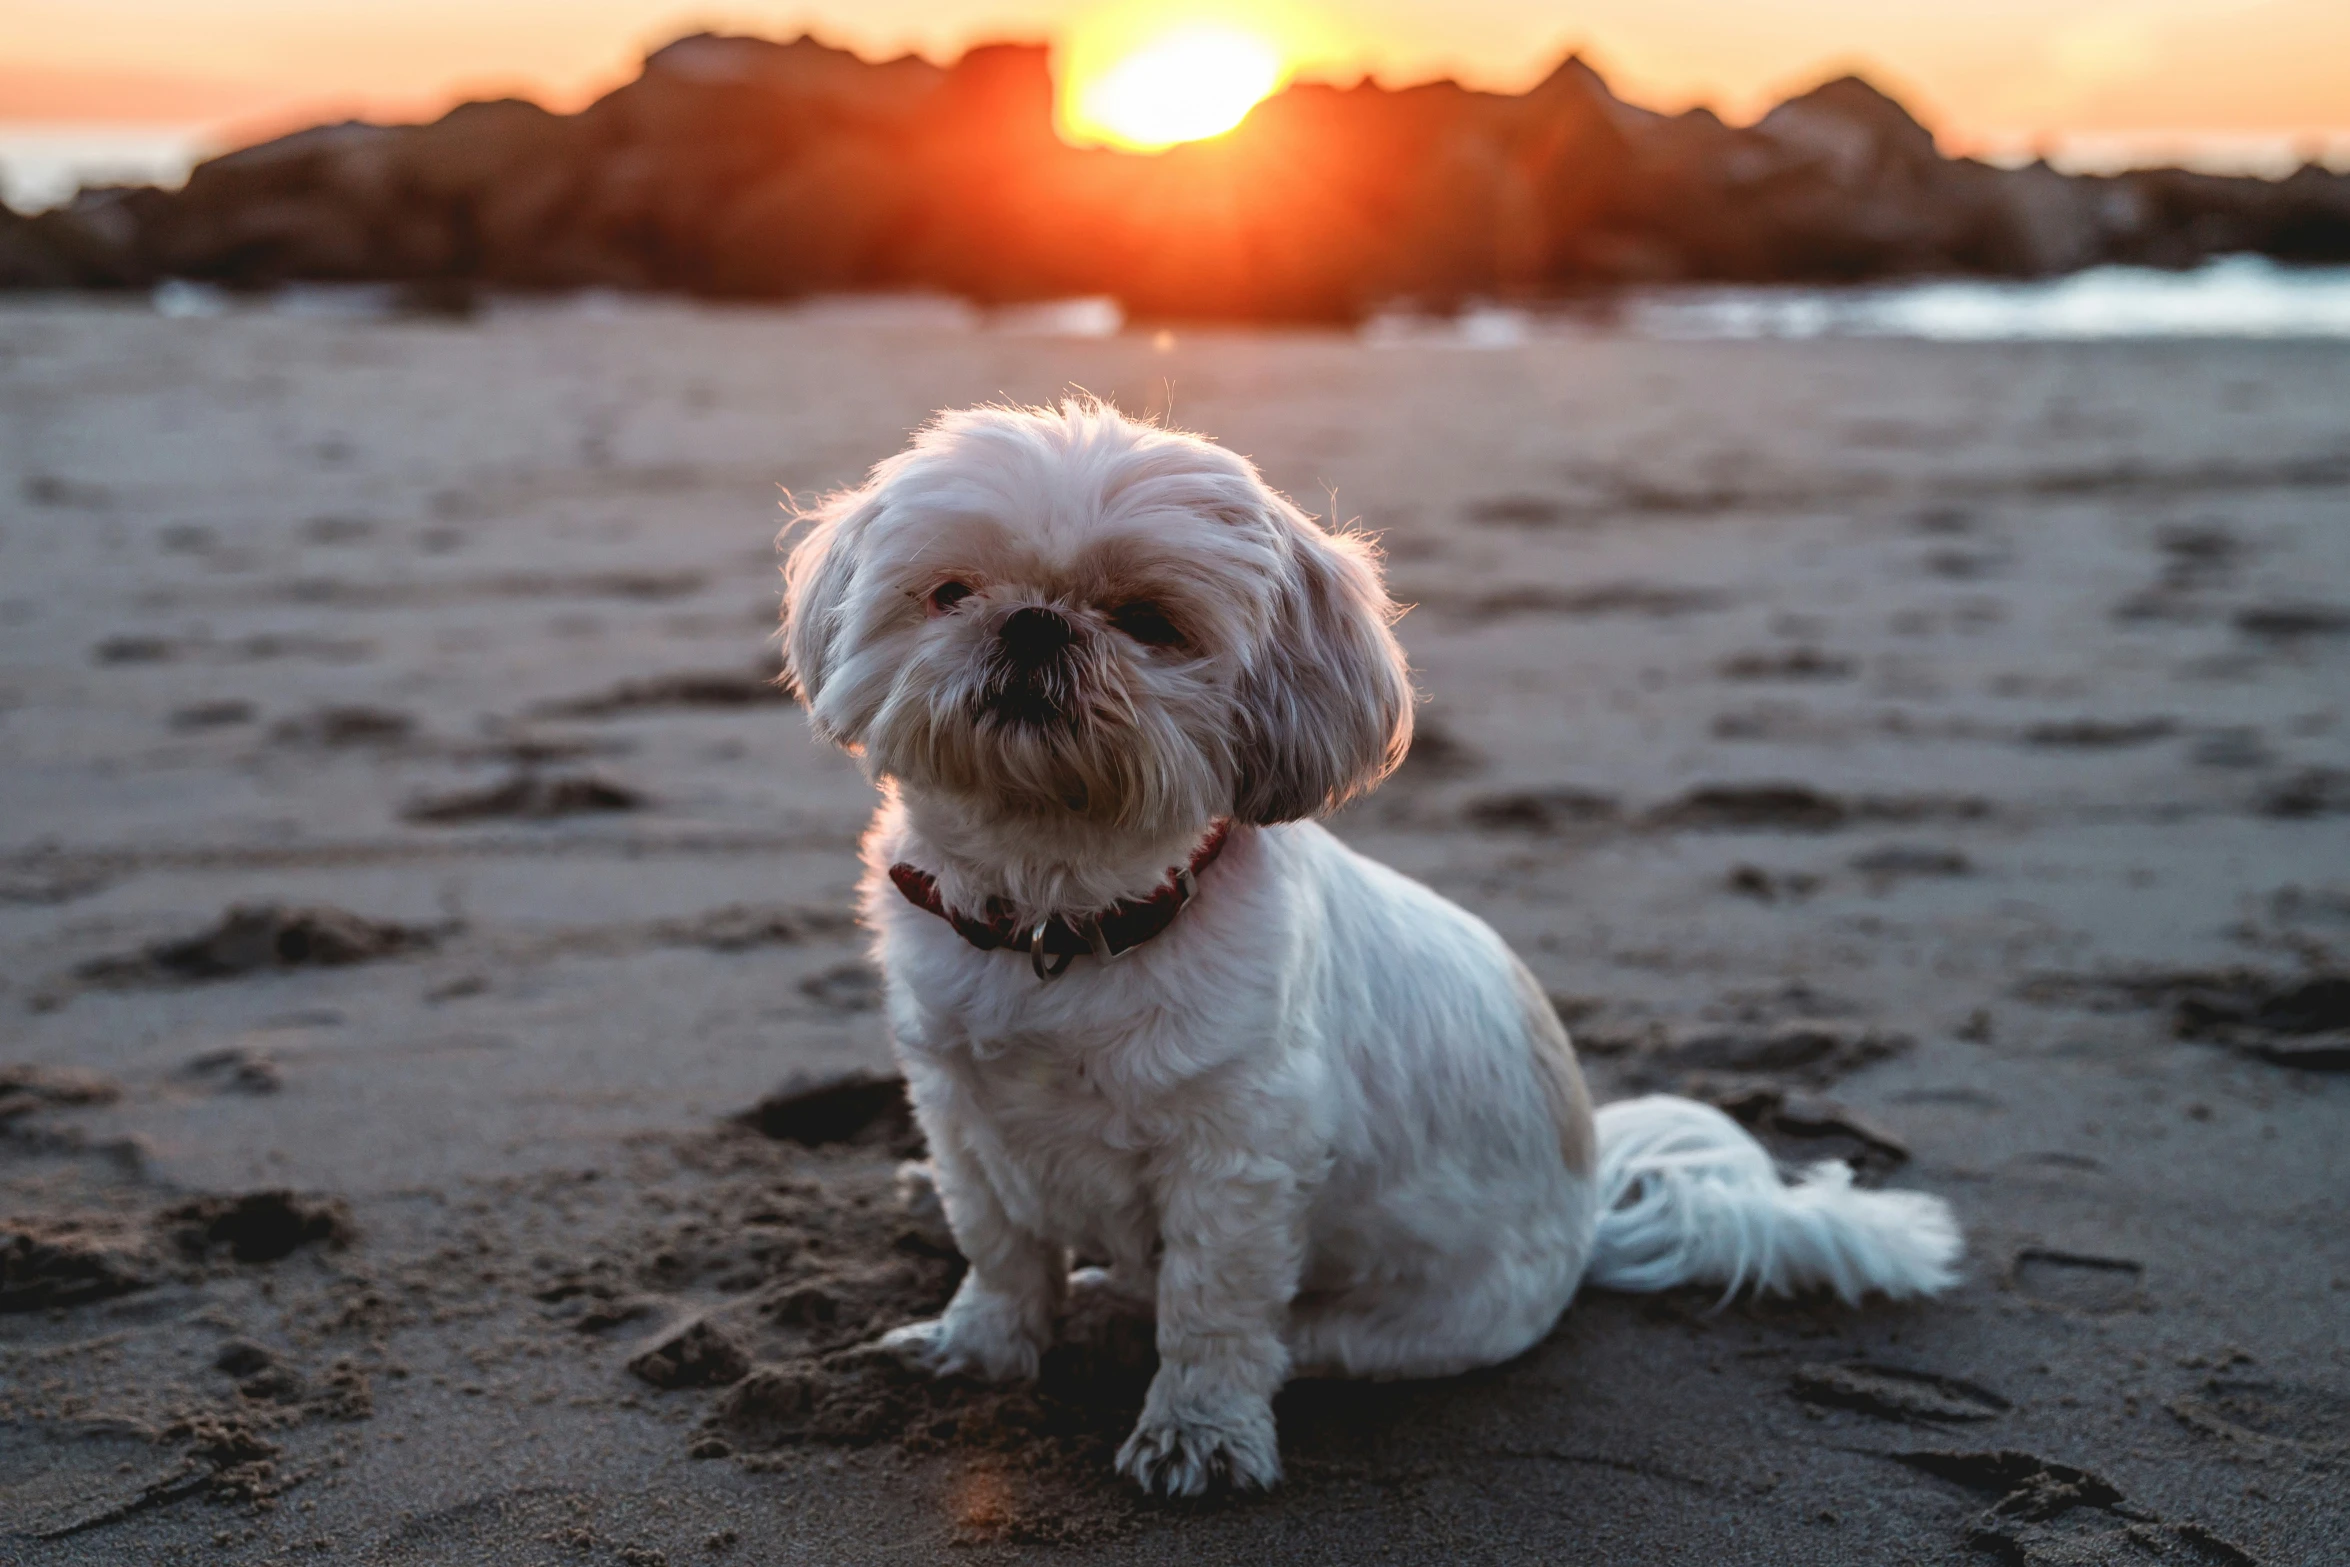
1180 84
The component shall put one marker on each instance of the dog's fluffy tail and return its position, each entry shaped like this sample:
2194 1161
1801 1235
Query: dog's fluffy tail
1687 1197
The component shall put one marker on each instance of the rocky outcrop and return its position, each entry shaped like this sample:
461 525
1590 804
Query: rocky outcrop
737 167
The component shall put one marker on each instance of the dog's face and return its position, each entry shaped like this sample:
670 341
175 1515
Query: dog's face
1057 613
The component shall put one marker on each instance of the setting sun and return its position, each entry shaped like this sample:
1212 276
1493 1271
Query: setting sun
1175 86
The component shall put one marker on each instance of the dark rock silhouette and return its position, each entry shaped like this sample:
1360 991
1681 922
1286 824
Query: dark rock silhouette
736 167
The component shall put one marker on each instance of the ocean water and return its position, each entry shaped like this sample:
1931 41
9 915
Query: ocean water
919 314
2240 297
2232 297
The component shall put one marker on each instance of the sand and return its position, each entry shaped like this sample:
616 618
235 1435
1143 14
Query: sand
416 919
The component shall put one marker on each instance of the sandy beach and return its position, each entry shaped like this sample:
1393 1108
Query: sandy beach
417 914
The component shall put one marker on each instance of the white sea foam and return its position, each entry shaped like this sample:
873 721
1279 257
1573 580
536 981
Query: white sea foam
2232 297
2235 296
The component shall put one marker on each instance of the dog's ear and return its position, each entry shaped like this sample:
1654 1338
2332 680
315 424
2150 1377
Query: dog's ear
817 579
1325 704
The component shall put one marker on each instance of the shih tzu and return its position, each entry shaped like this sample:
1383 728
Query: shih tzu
1317 1117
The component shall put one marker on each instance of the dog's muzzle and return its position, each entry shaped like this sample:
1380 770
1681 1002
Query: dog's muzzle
1032 674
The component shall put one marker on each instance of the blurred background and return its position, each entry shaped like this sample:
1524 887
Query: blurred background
1163 154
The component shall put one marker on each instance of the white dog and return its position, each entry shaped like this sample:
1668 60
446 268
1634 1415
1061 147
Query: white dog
1324 1121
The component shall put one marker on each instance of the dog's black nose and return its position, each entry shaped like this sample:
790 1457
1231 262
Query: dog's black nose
1034 637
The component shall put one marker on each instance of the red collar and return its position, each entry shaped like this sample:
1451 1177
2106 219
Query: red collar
1112 933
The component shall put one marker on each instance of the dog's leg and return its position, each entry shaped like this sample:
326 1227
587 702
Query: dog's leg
1001 1318
1482 1313
1231 1230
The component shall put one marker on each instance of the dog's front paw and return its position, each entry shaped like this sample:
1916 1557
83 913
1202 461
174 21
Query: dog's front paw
1183 1454
986 1345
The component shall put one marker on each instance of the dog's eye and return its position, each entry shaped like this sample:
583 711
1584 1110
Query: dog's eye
1146 623
947 595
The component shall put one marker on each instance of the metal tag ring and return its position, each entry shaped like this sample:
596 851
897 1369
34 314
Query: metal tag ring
1036 954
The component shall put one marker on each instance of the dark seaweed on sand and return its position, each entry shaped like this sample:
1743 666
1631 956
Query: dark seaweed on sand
263 1226
60 1260
526 797
2290 1020
691 689
860 1107
259 938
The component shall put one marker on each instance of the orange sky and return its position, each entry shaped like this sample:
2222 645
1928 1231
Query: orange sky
1985 73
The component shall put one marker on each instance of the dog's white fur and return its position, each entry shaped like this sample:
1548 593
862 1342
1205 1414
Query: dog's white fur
1326 1123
